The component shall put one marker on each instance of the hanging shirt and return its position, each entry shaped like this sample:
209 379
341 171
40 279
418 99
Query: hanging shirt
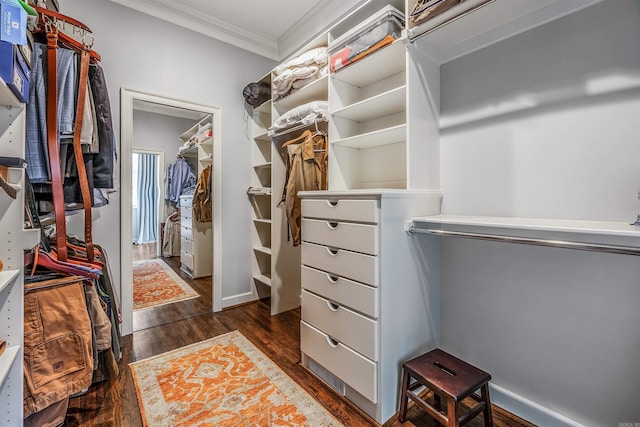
202 206
179 178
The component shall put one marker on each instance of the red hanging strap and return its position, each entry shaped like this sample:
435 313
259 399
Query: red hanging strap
53 144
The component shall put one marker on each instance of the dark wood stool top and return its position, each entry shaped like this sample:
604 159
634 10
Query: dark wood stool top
446 374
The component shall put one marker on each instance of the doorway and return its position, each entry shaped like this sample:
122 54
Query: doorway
135 104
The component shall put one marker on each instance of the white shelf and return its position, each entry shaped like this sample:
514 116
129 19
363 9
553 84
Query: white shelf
206 142
262 220
6 362
314 91
389 102
7 97
264 108
262 165
262 137
590 232
262 249
266 280
7 277
475 24
376 66
377 138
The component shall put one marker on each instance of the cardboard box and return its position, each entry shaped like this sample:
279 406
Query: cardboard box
14 70
13 24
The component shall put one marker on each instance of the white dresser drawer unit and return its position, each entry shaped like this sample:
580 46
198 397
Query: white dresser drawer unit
354 369
359 297
186 259
345 235
186 201
186 212
186 222
186 245
342 210
352 265
186 232
350 328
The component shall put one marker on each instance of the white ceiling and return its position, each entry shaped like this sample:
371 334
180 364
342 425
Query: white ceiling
271 28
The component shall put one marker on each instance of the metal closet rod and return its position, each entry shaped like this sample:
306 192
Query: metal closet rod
614 249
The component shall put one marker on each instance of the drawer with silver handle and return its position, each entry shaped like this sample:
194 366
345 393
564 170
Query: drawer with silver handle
355 295
352 368
186 232
345 235
350 328
356 210
352 265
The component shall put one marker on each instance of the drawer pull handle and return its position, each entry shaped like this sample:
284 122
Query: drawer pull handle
333 343
333 306
332 225
332 279
332 203
332 251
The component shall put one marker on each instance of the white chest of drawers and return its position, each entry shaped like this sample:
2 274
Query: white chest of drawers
366 307
196 242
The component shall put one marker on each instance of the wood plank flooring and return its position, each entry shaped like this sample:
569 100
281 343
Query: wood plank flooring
150 317
114 403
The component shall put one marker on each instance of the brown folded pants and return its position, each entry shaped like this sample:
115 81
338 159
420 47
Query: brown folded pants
58 358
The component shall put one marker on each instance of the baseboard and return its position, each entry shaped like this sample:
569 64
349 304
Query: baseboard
528 410
237 299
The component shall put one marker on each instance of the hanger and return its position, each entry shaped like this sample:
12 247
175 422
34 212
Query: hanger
52 21
303 136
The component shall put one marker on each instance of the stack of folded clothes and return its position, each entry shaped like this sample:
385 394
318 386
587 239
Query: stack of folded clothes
299 72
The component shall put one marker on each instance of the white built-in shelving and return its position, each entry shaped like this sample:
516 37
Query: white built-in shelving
260 197
13 241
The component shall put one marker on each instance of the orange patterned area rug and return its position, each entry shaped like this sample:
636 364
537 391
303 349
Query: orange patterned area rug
155 284
223 381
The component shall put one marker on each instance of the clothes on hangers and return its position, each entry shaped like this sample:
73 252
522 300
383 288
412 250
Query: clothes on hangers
202 203
179 178
306 170
171 236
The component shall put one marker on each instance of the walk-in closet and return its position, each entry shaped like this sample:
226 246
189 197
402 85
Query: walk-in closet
369 212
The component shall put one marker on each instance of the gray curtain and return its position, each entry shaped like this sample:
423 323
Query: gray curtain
145 216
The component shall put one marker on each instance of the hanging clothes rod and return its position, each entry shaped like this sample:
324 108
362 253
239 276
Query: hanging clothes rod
614 249
296 128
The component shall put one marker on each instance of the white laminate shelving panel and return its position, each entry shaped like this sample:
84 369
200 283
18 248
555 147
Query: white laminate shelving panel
7 277
596 232
374 67
389 102
7 97
475 24
6 361
314 91
263 278
386 136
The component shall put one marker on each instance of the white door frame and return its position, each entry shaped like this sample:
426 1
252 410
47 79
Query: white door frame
127 97
159 181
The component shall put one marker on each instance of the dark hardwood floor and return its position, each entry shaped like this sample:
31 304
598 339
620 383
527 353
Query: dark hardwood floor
155 316
114 403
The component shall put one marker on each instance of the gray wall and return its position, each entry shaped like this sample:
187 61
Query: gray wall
160 132
143 53
557 327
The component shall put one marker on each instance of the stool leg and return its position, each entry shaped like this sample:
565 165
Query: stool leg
452 417
488 416
403 397
438 401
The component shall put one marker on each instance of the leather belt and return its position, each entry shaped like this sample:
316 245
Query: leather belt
53 144
53 147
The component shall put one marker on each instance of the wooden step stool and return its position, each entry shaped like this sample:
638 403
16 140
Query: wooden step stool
450 379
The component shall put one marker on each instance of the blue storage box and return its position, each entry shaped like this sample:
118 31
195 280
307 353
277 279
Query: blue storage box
13 24
14 70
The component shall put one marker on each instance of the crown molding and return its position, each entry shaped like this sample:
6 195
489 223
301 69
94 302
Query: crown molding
318 20
208 25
